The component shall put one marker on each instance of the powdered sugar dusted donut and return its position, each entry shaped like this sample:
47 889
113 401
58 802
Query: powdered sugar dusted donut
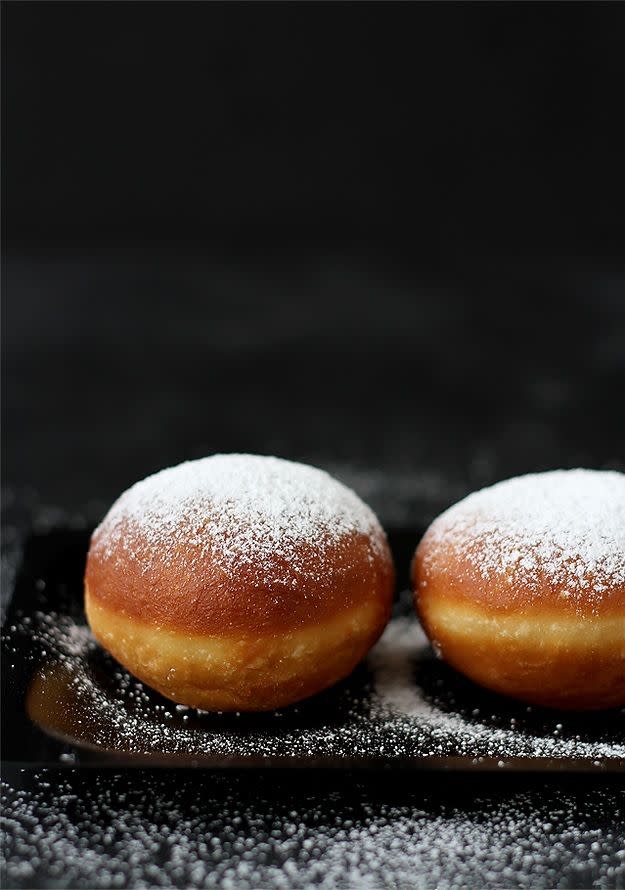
521 586
239 582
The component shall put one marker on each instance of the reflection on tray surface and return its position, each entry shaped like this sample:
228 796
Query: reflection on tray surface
401 705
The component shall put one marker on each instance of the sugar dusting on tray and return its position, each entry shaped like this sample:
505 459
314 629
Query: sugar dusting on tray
567 526
158 829
394 660
384 713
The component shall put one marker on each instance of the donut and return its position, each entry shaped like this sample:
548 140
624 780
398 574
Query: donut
238 582
521 587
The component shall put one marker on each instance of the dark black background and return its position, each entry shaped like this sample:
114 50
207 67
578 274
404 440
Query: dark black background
383 238
444 128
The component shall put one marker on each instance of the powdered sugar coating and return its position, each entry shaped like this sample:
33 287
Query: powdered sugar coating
247 510
565 528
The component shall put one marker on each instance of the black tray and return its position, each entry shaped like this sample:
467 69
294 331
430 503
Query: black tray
66 702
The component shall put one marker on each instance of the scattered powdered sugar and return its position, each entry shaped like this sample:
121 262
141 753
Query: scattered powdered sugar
249 509
395 665
400 707
158 829
566 525
203 828
174 828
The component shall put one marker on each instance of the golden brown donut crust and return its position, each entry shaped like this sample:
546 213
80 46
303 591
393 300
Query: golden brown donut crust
454 575
239 672
239 582
185 586
534 621
540 654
